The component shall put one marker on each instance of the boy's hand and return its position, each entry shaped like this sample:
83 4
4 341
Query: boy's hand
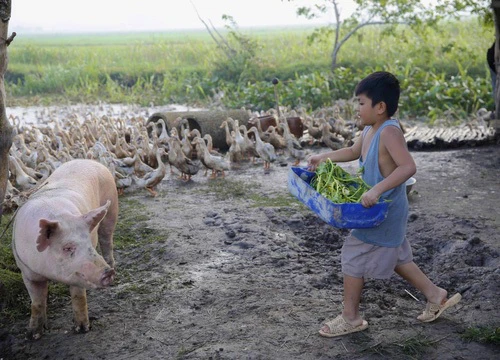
313 162
369 198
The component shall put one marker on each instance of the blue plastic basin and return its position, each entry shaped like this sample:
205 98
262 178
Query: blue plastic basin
344 216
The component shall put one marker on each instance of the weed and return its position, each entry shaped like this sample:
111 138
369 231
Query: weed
483 334
416 345
131 229
413 347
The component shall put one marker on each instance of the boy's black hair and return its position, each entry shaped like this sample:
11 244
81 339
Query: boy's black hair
381 86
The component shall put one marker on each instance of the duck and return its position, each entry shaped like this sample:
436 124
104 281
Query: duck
245 146
288 135
44 169
313 130
29 170
235 152
339 125
210 146
229 138
10 190
187 146
250 144
140 167
264 135
180 161
274 138
294 148
22 180
194 134
120 149
265 150
328 138
122 181
215 163
153 178
163 137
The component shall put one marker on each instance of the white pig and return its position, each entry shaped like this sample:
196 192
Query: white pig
55 237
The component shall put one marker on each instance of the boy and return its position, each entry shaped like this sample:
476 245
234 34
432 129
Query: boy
378 252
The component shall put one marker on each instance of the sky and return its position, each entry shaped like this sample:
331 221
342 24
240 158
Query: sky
155 15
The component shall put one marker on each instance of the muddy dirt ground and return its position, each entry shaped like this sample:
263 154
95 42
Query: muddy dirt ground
236 268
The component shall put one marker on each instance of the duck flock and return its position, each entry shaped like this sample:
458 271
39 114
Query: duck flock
138 153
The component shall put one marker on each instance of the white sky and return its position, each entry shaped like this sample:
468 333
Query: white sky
140 15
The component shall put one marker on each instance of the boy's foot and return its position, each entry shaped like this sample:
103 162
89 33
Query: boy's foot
433 311
339 326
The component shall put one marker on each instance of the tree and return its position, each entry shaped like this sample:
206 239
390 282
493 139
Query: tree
417 14
5 127
495 6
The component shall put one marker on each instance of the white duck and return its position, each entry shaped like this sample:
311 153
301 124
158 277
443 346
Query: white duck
23 180
293 146
153 178
250 144
180 161
215 163
265 150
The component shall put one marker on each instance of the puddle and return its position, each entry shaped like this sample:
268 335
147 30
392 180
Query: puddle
47 114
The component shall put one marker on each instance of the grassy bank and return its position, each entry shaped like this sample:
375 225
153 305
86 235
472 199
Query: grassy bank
443 74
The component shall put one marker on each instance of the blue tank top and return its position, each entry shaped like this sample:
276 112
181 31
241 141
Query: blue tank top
391 232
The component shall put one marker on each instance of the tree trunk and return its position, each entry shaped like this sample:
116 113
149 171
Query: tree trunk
495 5
5 127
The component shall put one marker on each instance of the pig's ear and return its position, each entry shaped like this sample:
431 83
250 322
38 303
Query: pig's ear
47 229
94 217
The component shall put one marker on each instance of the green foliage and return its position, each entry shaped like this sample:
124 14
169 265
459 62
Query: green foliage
417 15
442 75
130 231
14 298
337 185
236 62
483 334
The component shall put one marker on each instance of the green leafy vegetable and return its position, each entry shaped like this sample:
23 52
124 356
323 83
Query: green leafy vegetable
338 185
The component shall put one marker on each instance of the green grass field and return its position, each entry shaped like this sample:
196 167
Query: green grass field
442 75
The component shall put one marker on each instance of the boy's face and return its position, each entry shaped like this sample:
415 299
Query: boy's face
366 111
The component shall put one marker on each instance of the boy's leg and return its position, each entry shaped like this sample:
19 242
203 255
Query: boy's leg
352 296
350 320
437 300
412 273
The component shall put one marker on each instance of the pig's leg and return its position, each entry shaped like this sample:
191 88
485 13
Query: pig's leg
105 234
80 311
38 291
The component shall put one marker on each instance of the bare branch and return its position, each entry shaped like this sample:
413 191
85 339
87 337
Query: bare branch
10 38
231 50
224 47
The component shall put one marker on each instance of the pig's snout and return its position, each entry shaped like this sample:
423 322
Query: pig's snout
107 277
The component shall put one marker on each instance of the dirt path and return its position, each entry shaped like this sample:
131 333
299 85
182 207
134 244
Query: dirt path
238 269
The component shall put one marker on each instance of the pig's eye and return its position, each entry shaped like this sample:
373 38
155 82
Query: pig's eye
69 249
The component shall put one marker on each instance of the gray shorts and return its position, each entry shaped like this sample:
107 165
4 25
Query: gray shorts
362 260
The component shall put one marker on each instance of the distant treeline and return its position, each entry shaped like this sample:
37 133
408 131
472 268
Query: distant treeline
443 75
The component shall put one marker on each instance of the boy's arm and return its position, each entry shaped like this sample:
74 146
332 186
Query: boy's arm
342 155
394 142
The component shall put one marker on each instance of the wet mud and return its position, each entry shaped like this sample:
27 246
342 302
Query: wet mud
239 269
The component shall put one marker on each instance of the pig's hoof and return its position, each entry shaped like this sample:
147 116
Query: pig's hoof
82 328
